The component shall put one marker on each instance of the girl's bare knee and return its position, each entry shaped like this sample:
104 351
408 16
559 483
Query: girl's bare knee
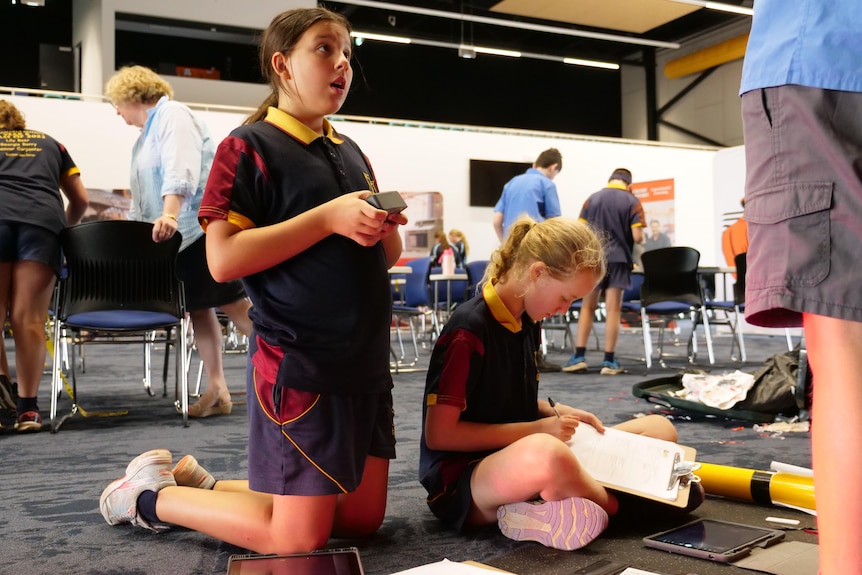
297 542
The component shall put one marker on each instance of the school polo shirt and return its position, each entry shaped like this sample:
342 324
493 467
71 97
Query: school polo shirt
483 363
614 211
327 308
32 166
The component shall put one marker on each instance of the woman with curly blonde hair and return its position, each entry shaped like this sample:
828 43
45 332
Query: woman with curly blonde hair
171 161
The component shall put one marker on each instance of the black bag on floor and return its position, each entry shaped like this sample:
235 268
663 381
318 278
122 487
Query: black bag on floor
776 386
781 387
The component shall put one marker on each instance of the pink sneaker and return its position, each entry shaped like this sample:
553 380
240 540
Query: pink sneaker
567 524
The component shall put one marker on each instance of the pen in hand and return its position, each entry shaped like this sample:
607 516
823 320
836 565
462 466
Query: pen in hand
553 405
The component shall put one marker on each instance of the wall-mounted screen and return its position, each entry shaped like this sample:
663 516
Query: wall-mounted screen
487 178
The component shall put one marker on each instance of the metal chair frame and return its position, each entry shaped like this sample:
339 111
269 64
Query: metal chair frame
671 289
121 288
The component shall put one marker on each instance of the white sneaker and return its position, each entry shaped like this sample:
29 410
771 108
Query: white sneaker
567 524
150 471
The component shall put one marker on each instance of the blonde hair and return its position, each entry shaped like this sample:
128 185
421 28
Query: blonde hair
459 236
137 84
566 246
10 117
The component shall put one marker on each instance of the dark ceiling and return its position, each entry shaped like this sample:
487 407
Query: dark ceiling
419 82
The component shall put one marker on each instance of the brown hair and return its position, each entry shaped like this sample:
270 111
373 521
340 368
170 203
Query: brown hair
566 245
441 238
281 36
548 158
10 117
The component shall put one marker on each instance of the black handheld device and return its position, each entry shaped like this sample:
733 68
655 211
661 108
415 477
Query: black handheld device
392 202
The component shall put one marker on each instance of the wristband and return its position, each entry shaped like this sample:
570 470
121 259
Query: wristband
173 217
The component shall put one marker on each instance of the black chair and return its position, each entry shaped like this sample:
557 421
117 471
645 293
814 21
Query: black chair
121 288
671 290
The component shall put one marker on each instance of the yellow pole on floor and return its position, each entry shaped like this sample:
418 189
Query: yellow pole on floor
763 487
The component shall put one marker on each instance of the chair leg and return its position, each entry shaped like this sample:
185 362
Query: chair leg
182 372
647 338
692 338
708 335
737 329
55 373
149 339
166 362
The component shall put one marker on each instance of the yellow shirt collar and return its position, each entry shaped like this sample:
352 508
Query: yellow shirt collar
299 130
499 310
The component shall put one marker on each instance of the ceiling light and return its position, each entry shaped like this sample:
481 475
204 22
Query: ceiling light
497 52
381 37
719 6
591 63
730 8
467 52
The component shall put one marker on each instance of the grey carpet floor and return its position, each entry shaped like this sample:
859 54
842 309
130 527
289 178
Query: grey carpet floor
50 483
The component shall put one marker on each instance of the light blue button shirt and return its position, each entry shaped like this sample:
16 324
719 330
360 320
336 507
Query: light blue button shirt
532 194
814 43
173 155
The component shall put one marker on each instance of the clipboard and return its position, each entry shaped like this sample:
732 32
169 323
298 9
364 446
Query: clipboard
643 466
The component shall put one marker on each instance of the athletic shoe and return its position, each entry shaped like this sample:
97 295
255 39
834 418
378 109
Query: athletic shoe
189 473
28 422
575 363
612 368
567 524
150 471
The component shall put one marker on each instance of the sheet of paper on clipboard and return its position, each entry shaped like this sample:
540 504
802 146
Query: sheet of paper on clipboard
644 466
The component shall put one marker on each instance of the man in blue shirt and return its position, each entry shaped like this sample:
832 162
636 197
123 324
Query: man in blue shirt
802 120
533 194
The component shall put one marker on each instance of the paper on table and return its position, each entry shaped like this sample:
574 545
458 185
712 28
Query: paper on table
628 461
446 567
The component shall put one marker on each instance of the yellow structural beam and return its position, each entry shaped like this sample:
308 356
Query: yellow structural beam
707 58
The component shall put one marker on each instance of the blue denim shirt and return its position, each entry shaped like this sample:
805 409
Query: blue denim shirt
812 43
173 155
